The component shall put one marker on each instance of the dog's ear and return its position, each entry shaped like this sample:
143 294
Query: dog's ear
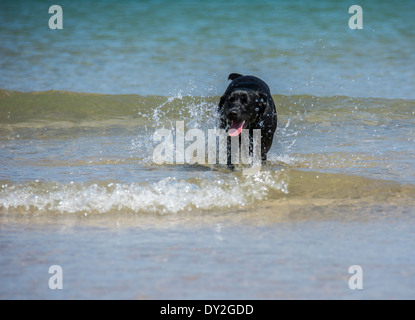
221 106
234 76
222 118
221 102
262 101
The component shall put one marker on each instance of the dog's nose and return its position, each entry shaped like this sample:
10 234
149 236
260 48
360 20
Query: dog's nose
232 114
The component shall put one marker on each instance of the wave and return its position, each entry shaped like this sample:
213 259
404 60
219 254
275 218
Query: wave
223 193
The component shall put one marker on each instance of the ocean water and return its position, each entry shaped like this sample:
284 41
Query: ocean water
79 186
163 47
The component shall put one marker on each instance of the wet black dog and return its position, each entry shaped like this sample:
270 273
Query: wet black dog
247 104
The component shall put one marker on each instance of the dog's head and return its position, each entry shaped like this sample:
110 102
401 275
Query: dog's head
242 107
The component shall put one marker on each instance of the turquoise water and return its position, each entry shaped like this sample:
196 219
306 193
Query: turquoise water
79 187
162 47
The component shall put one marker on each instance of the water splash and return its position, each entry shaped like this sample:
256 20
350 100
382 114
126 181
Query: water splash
195 112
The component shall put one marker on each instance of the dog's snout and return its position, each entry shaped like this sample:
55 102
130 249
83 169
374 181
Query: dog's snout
233 114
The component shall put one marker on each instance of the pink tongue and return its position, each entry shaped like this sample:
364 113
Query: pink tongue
236 128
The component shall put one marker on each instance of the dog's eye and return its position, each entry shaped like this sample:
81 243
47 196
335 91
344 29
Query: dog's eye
244 99
231 99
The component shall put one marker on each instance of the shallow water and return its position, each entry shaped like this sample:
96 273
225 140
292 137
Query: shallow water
84 193
79 187
217 260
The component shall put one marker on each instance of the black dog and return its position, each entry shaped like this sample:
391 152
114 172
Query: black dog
247 104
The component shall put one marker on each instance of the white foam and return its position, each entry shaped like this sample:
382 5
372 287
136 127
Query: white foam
169 195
